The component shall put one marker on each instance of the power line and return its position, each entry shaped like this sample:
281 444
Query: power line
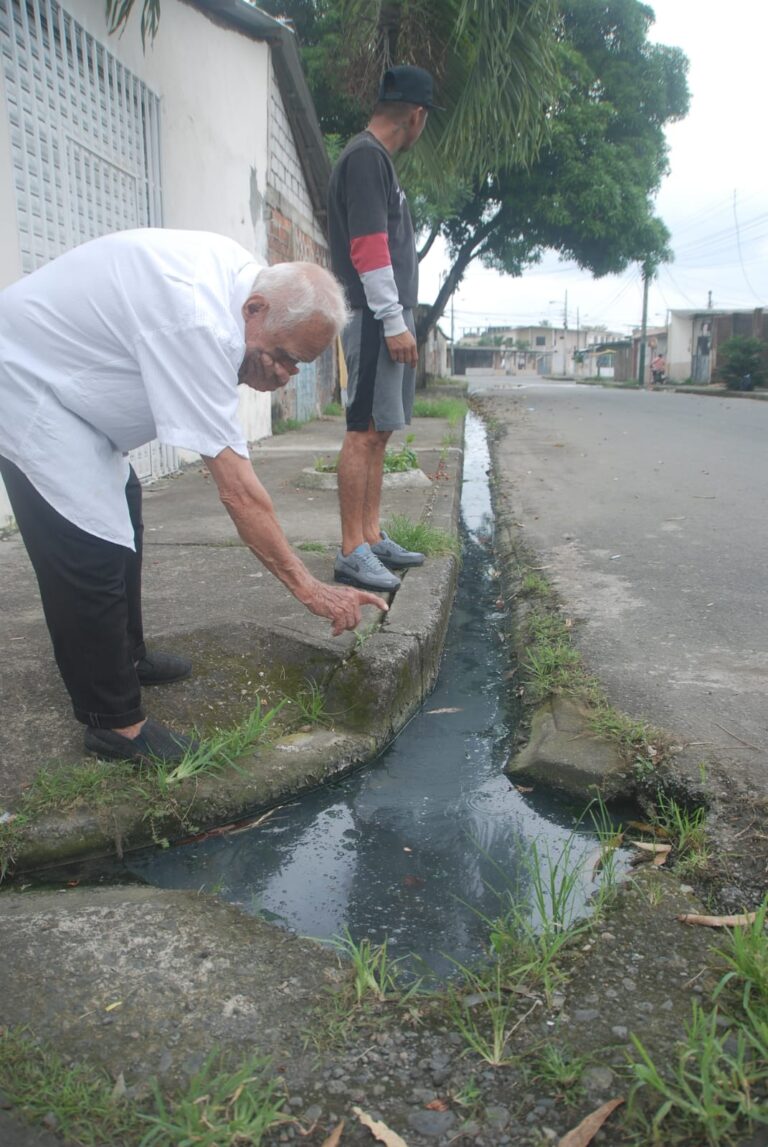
738 247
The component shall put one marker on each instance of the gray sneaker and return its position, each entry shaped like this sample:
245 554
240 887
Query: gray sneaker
363 570
394 556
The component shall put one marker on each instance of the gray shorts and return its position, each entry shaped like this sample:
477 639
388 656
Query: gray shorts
379 391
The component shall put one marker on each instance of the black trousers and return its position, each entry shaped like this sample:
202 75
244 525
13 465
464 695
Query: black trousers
91 594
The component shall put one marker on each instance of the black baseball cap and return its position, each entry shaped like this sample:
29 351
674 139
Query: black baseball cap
407 84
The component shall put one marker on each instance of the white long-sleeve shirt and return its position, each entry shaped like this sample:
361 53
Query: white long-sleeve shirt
130 337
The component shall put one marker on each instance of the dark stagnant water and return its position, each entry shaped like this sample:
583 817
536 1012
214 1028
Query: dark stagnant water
415 846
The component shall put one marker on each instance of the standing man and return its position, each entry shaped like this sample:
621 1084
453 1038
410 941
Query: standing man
373 253
130 337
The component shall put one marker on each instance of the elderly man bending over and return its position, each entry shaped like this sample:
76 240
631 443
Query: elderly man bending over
140 335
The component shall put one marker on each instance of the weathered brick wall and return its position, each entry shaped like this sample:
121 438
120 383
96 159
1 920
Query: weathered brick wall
294 234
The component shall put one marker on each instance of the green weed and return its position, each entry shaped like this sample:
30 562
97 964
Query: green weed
102 784
326 466
686 829
79 1097
421 537
453 409
486 1017
560 1070
312 547
469 1096
541 916
534 583
745 954
402 460
551 667
375 975
219 750
395 461
714 1088
310 702
215 1109
284 425
364 632
219 1108
333 410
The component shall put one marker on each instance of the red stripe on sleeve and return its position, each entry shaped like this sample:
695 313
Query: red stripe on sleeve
370 252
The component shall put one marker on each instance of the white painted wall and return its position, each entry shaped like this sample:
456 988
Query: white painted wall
679 347
214 86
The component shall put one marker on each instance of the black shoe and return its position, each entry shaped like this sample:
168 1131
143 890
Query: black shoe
155 743
162 668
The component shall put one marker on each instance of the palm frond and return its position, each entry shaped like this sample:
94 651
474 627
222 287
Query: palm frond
493 64
118 13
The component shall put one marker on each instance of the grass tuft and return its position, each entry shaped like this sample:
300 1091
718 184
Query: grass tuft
284 425
745 954
395 461
421 537
551 663
686 829
375 975
216 1108
219 750
310 702
219 1108
453 409
560 1070
484 1016
714 1088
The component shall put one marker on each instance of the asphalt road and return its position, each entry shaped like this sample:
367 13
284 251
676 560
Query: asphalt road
649 510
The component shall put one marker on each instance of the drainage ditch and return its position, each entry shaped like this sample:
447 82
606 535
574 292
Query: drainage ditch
418 846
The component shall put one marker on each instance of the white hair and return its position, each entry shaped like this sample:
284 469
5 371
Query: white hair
298 292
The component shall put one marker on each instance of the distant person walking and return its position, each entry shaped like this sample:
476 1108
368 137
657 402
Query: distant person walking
130 337
373 253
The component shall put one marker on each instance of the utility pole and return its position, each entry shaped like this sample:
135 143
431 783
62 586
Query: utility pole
644 326
565 335
577 360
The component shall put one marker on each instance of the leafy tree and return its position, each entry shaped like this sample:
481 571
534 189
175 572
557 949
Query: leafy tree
589 194
741 362
582 182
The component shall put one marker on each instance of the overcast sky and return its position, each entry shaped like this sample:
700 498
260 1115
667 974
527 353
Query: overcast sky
714 201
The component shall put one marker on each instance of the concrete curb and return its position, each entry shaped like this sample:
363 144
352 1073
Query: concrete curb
560 749
312 479
721 392
375 688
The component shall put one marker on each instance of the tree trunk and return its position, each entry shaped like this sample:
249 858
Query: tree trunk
465 256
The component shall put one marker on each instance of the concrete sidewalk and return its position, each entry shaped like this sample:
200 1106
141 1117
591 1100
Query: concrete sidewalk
206 596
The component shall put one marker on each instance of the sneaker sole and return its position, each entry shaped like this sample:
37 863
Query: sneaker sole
347 579
393 565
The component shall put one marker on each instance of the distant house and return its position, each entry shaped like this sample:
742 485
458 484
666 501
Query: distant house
694 338
212 128
546 350
434 354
